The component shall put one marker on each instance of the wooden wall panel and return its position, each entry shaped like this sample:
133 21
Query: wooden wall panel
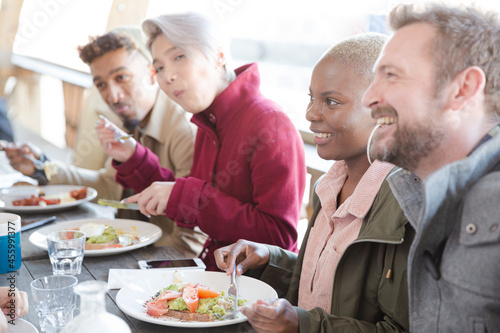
74 104
9 22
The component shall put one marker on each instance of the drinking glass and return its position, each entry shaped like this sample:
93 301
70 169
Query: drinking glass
54 301
66 250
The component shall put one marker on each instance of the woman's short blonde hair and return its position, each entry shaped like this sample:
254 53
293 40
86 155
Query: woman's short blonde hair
359 52
190 31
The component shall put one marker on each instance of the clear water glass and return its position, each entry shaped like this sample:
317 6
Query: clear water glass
54 301
66 251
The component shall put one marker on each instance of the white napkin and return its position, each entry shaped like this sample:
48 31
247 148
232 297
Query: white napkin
118 278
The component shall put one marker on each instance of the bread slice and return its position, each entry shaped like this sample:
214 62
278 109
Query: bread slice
189 316
100 246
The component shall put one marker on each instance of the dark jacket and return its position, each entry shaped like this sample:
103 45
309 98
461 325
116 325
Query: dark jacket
370 285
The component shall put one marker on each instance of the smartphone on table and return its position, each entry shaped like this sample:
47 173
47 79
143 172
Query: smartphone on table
194 263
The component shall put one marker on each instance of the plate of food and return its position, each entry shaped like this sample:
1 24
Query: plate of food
44 199
104 236
159 298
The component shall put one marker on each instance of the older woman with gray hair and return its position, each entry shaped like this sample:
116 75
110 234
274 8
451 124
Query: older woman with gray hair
248 174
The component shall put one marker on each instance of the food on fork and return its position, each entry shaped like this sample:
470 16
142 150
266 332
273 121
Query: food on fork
189 302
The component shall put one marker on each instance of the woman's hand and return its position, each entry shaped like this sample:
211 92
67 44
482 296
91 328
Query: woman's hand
119 149
153 200
273 317
248 255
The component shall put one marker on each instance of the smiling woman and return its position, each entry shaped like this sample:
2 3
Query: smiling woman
333 281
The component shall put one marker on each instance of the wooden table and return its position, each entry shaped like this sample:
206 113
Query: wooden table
35 264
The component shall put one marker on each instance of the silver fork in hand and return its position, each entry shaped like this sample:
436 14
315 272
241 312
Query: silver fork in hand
37 163
233 296
118 136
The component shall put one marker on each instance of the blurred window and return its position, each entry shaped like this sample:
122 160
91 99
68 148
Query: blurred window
285 37
52 30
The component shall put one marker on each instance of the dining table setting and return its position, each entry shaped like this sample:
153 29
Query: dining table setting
48 259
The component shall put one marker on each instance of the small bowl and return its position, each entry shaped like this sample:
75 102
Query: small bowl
18 192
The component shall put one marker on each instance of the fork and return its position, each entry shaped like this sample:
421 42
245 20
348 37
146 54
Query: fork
233 296
37 163
118 135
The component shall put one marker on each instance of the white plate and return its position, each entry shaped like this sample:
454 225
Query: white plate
21 326
51 190
147 233
133 296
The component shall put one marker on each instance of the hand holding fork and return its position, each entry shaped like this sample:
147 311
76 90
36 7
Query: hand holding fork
233 296
115 142
18 153
120 136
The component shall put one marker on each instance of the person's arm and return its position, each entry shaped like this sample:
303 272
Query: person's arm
22 157
279 270
278 172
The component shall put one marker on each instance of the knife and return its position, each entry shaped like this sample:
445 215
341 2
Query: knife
118 204
38 223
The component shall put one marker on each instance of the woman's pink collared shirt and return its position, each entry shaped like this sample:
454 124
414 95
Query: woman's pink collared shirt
335 229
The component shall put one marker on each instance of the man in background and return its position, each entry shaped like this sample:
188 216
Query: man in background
436 96
122 73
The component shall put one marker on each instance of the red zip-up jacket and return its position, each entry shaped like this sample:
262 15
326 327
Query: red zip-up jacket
248 174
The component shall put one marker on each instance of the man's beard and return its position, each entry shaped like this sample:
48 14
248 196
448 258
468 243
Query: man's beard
409 144
130 124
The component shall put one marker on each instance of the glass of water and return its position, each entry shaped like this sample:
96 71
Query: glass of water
66 249
54 301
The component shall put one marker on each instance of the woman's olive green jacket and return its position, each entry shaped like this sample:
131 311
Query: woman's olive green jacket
370 286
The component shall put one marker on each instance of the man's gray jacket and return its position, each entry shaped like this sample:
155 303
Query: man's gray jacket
454 261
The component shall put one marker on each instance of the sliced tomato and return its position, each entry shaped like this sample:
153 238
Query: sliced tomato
156 308
68 235
50 201
190 297
204 292
79 194
169 295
